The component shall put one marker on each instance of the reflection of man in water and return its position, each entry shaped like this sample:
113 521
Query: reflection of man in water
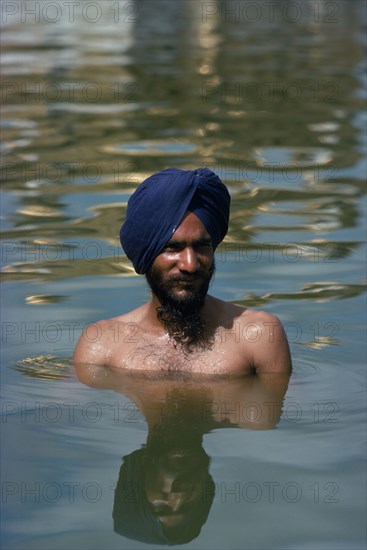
165 492
174 222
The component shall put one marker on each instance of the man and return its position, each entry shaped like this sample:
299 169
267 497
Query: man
174 222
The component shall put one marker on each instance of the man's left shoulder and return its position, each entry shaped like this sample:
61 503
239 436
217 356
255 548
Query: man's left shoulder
252 320
264 335
261 320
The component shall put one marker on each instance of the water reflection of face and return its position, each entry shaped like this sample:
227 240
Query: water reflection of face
175 486
163 497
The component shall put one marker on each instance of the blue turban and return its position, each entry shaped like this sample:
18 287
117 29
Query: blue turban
157 207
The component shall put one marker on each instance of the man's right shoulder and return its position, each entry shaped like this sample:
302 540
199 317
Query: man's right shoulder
92 344
99 339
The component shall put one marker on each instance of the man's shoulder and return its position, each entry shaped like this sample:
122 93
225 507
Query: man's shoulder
261 335
260 316
101 337
106 327
245 315
270 350
261 326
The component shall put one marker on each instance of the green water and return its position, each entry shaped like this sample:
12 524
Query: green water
96 97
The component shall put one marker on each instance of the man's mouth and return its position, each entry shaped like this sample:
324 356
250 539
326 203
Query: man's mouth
185 284
187 280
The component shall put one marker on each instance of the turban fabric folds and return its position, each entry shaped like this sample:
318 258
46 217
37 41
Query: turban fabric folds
157 207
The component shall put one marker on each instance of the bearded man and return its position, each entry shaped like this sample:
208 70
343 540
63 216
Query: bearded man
174 222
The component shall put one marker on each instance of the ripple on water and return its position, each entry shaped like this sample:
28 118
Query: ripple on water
323 291
300 157
46 367
42 299
8 123
304 368
152 148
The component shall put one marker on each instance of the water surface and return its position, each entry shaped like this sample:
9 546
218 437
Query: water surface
272 98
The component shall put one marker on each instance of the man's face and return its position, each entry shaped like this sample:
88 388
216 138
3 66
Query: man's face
181 273
185 266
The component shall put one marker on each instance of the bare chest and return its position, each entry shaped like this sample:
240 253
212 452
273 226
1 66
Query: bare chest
153 355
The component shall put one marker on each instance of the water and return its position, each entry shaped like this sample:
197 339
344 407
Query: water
97 97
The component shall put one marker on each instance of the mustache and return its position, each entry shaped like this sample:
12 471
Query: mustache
187 278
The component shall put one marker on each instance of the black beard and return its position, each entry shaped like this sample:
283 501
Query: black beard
181 316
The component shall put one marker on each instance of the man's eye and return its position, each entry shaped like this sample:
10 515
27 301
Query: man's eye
171 248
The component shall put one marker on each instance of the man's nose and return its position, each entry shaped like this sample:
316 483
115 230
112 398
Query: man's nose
188 260
176 500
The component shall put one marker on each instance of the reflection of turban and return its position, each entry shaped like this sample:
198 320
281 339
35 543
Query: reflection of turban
157 207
